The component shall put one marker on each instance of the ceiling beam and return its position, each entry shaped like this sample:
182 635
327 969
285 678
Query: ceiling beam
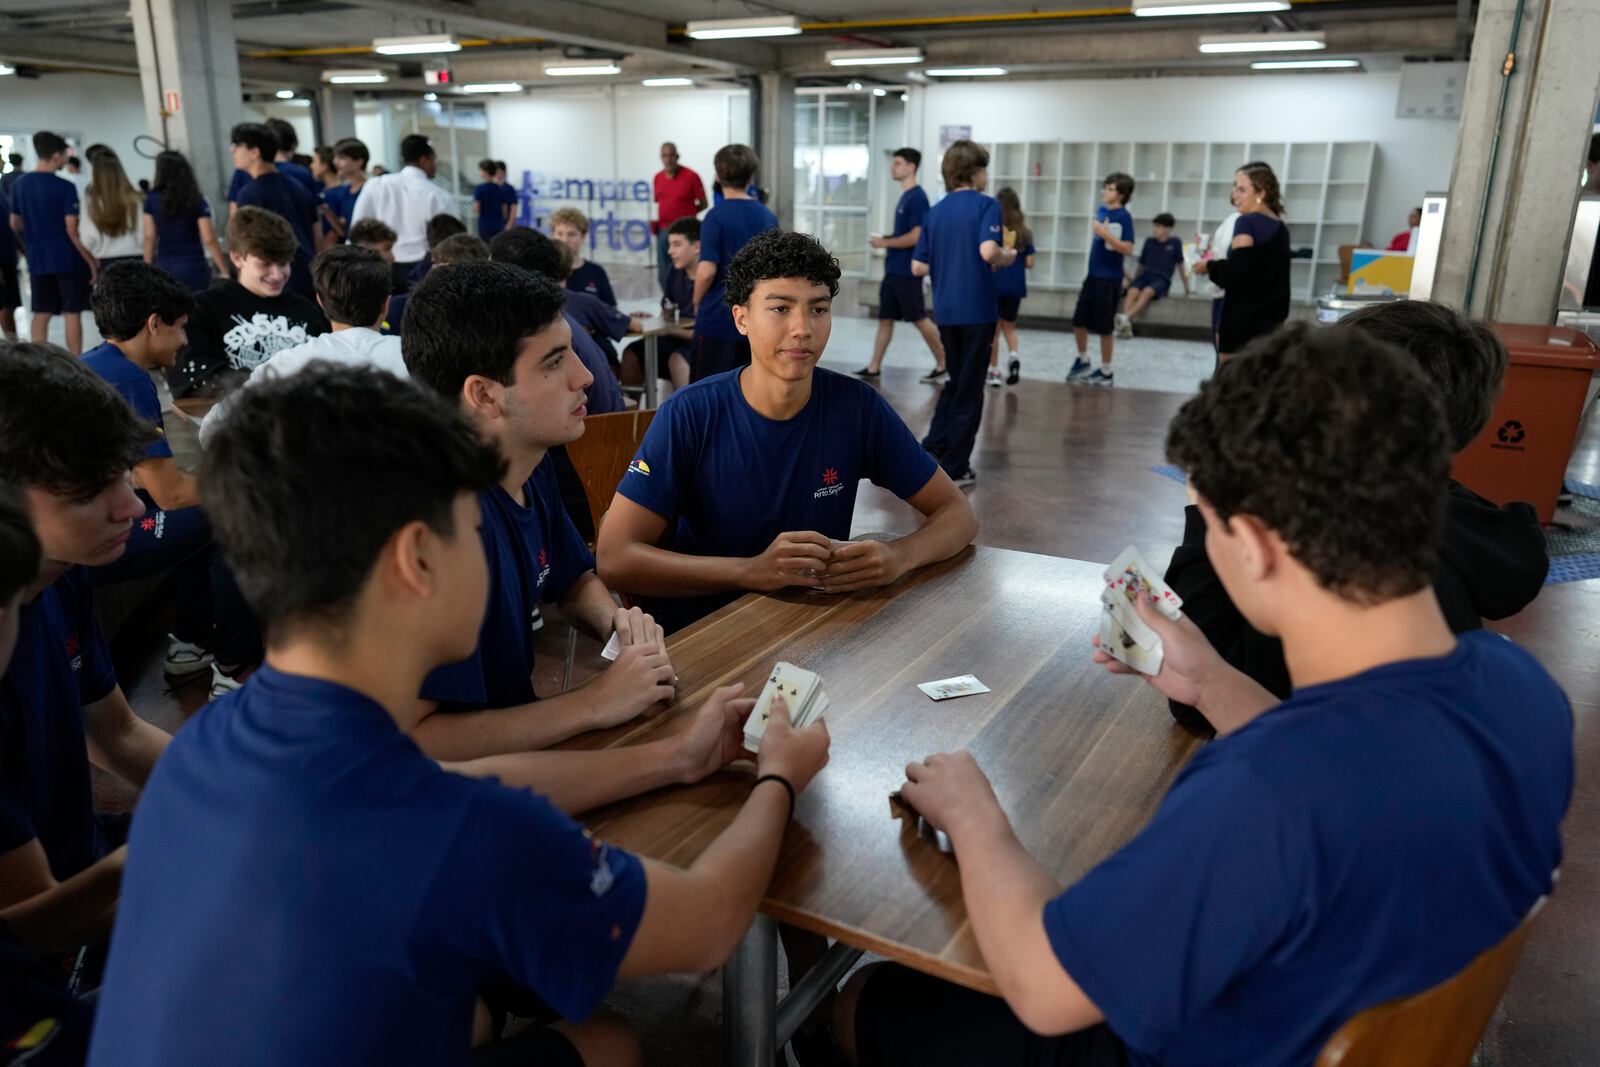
113 57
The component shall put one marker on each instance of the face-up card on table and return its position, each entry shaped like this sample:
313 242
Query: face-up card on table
963 685
1130 573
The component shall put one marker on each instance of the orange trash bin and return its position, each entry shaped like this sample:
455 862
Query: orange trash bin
1523 451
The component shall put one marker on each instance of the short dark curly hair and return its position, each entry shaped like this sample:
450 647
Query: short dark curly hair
63 429
1462 356
525 247
780 254
129 292
1334 440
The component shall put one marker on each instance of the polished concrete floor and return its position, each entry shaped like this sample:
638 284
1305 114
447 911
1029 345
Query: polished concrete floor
1067 471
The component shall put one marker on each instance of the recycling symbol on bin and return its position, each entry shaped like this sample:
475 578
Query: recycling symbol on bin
1511 433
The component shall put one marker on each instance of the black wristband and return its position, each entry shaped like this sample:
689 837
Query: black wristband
781 780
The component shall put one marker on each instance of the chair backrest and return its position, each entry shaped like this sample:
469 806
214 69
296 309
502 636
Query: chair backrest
1438 1027
601 456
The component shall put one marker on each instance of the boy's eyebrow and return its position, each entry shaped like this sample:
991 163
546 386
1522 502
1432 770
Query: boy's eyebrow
556 351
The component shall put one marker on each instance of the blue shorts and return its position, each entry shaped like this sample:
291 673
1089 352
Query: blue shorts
1157 283
1008 306
55 294
1097 305
900 299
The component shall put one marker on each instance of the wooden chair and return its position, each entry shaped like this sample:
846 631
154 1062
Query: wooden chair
1346 255
601 457
1439 1027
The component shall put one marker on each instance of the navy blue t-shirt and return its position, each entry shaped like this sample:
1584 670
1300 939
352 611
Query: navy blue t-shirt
491 209
1107 262
729 479
1012 281
240 179
726 229
177 239
305 886
908 215
596 316
535 554
1257 226
341 200
591 278
963 284
8 238
136 388
678 290
1160 257
41 1024
605 394
61 664
44 201
1363 840
303 175
285 196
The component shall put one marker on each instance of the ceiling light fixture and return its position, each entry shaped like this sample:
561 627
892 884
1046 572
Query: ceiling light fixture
6 68
1233 43
285 94
1147 8
873 57
662 83
1304 64
354 77
728 29
425 44
492 87
966 72
880 92
580 68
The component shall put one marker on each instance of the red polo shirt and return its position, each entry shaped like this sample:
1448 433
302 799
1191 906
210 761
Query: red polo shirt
677 196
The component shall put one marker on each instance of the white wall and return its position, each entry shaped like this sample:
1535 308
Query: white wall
611 134
1414 155
86 108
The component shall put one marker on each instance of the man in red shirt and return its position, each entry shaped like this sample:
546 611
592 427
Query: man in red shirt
680 194
1402 241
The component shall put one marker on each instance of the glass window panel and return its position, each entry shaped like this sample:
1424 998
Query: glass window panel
844 174
845 235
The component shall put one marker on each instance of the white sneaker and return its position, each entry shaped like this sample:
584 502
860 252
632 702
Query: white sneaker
1124 328
995 381
184 658
221 684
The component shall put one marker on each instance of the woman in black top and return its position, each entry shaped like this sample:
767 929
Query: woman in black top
1255 276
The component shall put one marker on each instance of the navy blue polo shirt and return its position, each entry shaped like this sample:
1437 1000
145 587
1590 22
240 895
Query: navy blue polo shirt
597 316
963 284
305 886
726 229
1160 257
44 200
1012 281
61 663
285 196
240 179
491 209
301 174
908 215
341 201
732 479
1363 840
535 554
136 388
591 278
1107 262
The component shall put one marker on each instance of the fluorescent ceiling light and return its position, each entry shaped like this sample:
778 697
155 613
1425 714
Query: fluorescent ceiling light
285 94
873 57
425 44
1229 43
493 87
663 83
354 77
724 29
966 72
880 92
6 68
1207 7
581 67
1304 64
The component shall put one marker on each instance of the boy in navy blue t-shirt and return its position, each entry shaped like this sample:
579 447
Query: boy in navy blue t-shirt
1161 255
751 476
961 246
1096 312
718 344
489 202
44 215
304 884
1363 840
570 227
900 292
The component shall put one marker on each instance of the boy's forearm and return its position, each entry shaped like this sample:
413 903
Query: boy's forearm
470 735
645 569
72 912
582 781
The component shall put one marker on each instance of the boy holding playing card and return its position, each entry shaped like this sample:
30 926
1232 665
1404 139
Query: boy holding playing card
343 897
748 478
1363 840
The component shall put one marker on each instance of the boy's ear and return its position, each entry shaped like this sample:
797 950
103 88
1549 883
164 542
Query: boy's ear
740 313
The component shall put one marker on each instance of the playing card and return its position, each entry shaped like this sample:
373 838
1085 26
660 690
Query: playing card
1130 573
1119 645
964 685
900 808
613 647
1128 619
797 686
1115 230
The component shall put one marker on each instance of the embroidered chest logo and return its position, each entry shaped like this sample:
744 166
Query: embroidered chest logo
154 523
74 653
544 567
831 484
601 876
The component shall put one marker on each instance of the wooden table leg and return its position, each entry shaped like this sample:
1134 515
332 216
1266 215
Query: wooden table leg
750 997
652 362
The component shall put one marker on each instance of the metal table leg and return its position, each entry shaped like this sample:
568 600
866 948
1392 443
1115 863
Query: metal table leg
750 997
651 365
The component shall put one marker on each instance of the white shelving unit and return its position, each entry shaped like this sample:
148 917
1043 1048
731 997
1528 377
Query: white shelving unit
1325 186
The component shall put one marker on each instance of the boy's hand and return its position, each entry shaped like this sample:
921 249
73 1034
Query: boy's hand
640 679
951 792
1101 232
715 737
795 558
795 755
862 565
1189 664
635 627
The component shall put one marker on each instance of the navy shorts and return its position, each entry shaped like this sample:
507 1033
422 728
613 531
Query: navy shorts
900 299
55 294
1008 307
1097 305
10 285
1157 283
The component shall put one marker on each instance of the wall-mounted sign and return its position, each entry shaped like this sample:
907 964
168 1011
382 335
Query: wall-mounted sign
540 193
949 135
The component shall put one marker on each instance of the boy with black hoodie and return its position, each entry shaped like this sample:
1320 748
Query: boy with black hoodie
1492 560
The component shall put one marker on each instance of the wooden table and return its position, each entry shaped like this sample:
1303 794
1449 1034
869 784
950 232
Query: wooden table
1079 758
653 326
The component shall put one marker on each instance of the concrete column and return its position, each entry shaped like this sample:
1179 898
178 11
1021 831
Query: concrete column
777 145
188 55
1537 164
336 111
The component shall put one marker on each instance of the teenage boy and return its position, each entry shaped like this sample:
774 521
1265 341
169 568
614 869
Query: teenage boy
601 320
718 344
800 437
531 250
288 141
254 149
353 292
457 248
406 201
1161 255
1361 841
376 235
68 441
1492 560
236 325
350 164
489 201
900 292
416 886
44 215
961 246
507 190
677 301
440 228
1096 312
679 193
570 227
10 278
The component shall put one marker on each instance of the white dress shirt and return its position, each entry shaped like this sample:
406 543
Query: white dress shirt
405 202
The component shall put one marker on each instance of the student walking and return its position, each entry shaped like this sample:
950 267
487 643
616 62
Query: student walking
900 292
1010 286
44 213
179 232
110 225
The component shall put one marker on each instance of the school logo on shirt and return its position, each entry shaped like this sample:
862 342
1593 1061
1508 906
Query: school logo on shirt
155 524
831 485
639 466
544 567
74 652
601 876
